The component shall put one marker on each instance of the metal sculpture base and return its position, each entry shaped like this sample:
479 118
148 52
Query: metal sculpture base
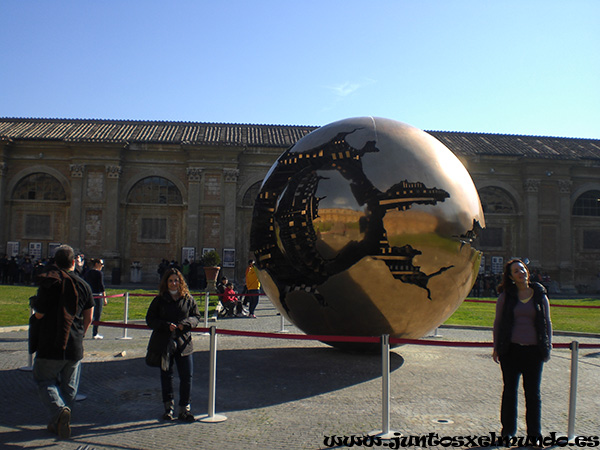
385 436
213 419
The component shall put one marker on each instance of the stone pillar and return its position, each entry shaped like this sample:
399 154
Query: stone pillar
532 229
112 218
229 209
194 175
565 250
76 216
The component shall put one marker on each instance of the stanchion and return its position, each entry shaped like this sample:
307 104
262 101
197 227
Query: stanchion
211 417
206 302
29 366
385 432
282 328
573 392
125 315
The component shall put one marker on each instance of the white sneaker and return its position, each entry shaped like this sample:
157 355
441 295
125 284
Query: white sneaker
98 336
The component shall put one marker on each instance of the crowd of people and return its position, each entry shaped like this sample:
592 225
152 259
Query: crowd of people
20 269
232 304
192 272
486 284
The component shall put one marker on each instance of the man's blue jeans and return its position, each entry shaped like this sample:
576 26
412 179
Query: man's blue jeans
98 304
57 381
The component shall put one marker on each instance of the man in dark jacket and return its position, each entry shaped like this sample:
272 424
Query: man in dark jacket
63 312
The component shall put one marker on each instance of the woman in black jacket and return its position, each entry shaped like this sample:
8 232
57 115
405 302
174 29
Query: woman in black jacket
522 343
171 316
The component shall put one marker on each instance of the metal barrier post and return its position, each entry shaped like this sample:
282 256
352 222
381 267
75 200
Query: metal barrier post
282 328
125 315
206 304
206 300
385 432
573 392
29 366
211 417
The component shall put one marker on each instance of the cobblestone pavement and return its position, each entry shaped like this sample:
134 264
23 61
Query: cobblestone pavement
286 394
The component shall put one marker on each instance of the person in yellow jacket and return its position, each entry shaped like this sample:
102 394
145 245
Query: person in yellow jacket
252 288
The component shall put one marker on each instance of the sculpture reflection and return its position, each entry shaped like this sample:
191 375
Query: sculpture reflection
364 227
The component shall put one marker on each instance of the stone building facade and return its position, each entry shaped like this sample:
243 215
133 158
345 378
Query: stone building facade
135 192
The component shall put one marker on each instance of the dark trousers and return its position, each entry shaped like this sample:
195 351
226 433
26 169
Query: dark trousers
526 361
252 300
185 369
98 304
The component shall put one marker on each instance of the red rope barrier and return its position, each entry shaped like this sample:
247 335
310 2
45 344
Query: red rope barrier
309 337
109 296
334 338
198 294
132 294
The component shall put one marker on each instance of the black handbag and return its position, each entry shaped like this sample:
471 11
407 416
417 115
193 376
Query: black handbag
153 358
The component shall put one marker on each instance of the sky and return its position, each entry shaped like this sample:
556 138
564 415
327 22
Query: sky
527 67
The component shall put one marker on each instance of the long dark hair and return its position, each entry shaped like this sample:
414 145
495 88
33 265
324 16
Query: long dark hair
508 285
164 283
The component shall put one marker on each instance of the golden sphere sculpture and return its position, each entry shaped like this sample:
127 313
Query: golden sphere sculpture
365 227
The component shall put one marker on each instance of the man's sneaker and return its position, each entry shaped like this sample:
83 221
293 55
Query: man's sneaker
98 336
63 425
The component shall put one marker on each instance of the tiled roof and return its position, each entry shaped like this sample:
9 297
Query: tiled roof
112 131
115 131
469 144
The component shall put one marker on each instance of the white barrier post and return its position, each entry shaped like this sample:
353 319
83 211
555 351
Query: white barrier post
573 392
211 417
385 432
206 301
206 304
125 315
29 366
282 328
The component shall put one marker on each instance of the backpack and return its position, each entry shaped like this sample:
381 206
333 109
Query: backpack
58 280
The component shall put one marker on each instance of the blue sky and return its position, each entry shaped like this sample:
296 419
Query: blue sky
516 67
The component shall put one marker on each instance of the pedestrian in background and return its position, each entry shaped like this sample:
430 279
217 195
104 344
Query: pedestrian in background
63 312
252 289
95 279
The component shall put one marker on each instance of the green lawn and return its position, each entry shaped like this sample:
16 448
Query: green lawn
14 304
14 309
586 320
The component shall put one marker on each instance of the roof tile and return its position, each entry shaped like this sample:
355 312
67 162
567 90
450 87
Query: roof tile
177 133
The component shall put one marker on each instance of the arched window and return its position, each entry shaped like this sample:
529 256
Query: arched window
251 194
155 190
495 200
39 186
587 204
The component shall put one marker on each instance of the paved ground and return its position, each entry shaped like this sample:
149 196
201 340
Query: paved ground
285 394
